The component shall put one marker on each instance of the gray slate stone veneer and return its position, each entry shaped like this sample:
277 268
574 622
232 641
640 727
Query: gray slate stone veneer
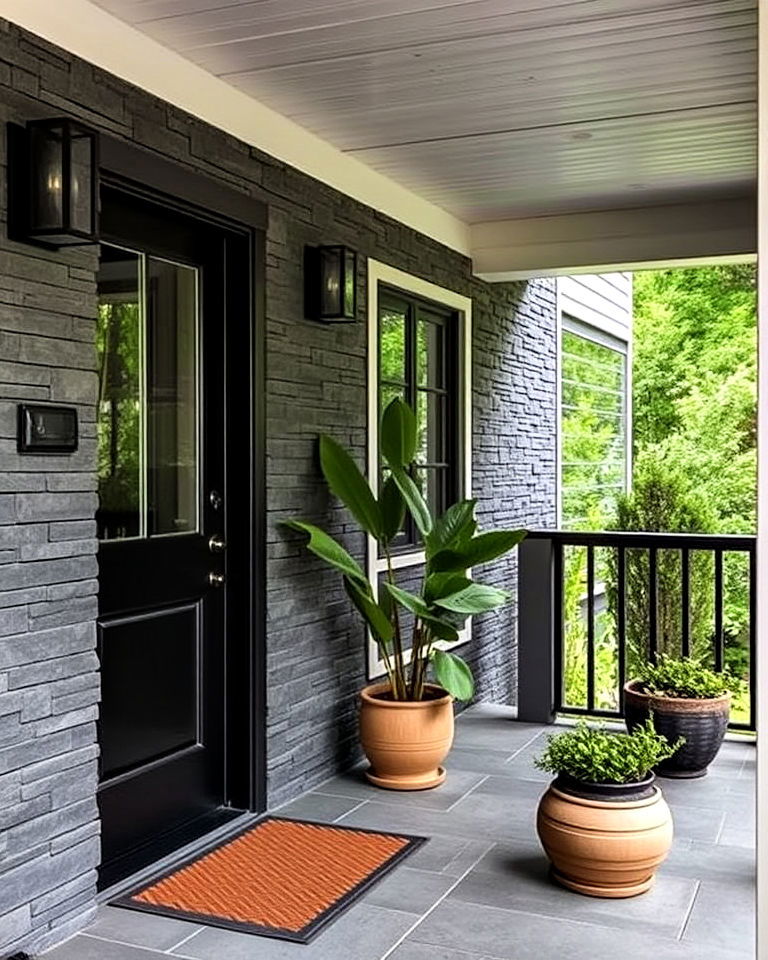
49 846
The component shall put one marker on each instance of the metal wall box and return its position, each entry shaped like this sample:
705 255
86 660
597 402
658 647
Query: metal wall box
47 429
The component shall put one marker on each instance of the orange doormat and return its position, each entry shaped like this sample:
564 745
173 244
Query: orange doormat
279 878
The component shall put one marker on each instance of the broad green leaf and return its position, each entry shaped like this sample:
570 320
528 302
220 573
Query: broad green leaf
375 617
414 501
481 549
439 627
443 584
350 486
475 598
392 507
408 600
332 552
455 527
453 674
398 433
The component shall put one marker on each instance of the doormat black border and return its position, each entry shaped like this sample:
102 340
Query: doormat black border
307 932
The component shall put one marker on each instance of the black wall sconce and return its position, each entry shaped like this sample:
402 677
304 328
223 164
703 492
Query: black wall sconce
54 182
330 277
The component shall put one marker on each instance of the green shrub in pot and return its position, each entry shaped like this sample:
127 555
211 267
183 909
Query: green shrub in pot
683 698
602 822
594 755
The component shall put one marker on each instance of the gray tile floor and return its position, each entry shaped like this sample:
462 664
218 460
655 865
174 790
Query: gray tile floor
479 889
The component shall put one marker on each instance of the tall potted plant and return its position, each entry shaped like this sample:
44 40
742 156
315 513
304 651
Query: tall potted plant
406 721
602 822
684 699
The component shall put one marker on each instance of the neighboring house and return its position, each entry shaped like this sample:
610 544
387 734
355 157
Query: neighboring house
595 419
147 583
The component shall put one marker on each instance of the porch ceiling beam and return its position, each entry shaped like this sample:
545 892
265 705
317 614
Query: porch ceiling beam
601 242
83 29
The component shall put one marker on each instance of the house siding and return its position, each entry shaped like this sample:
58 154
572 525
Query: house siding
316 381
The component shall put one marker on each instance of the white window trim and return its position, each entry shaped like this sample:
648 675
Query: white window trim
568 323
382 273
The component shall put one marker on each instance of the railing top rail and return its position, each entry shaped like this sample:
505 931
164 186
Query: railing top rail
630 539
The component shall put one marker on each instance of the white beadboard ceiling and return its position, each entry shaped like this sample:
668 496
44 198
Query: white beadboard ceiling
494 109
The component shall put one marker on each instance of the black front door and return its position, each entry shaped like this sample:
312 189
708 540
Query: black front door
163 529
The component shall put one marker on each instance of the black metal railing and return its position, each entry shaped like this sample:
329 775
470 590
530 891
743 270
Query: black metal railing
594 605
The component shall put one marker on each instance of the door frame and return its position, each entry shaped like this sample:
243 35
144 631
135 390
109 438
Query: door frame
134 170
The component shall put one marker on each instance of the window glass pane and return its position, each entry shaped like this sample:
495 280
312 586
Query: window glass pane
433 482
416 361
594 456
430 366
81 184
119 424
431 427
172 392
392 345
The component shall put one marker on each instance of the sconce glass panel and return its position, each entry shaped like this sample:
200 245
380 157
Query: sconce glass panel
63 182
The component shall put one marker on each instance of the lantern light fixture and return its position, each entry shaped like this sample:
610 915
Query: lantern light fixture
331 283
62 190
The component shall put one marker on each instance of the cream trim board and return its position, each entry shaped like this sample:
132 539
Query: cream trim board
97 36
382 273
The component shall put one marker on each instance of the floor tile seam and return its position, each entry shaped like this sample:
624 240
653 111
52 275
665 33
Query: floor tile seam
602 924
721 828
186 939
471 790
378 799
388 953
428 833
689 911
126 943
357 806
591 924
539 733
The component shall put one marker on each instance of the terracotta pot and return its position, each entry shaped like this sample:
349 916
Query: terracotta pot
609 847
703 723
406 741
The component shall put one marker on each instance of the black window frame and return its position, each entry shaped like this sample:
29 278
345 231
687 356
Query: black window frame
417 309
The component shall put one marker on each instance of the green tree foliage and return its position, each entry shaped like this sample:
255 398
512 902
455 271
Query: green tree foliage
118 334
693 330
662 501
694 464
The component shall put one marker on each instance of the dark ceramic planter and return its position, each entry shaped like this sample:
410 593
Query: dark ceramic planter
611 792
702 723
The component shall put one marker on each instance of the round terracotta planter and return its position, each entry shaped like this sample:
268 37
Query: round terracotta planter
406 741
605 847
703 724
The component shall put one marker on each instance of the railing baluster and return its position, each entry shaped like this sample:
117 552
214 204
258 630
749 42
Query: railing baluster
653 640
621 619
685 558
718 609
590 627
542 608
558 617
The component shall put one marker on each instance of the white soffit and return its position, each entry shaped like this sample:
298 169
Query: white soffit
495 109
97 36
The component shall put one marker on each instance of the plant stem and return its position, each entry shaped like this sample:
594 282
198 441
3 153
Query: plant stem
399 690
387 665
415 655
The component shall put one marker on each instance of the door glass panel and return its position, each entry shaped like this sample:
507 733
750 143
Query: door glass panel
120 444
172 395
148 417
